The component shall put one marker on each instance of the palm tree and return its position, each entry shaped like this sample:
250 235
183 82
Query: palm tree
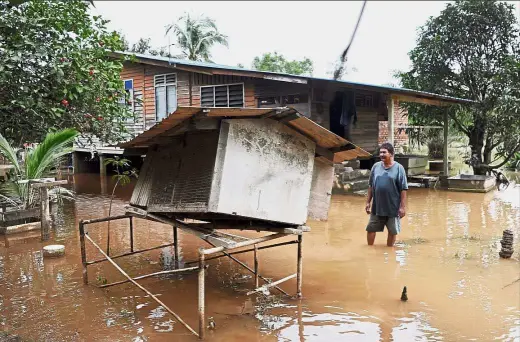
37 164
195 37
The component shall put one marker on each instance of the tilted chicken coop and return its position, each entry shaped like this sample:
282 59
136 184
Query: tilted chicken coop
271 167
208 170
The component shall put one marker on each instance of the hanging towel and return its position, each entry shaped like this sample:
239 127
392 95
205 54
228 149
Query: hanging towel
348 109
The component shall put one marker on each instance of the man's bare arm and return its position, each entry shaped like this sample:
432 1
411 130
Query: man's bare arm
369 200
402 205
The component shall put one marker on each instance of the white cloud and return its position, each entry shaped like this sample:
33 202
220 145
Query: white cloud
318 30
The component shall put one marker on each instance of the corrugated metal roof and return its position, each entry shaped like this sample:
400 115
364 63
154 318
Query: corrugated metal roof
289 116
273 75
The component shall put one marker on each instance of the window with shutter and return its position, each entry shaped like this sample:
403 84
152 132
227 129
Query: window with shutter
228 95
127 99
165 95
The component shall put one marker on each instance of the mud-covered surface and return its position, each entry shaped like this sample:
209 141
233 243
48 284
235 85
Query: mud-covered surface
459 289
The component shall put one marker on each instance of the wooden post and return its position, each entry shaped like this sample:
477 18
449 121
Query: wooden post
45 214
176 246
391 113
83 251
103 182
299 268
131 234
256 266
201 294
445 169
43 185
75 162
102 167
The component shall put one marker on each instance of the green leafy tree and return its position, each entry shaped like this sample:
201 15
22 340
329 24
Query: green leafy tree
196 36
38 163
55 72
472 50
144 46
278 63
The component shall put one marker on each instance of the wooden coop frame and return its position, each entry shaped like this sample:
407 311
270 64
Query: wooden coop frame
330 148
222 245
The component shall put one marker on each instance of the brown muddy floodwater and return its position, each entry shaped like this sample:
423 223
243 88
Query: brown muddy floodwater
447 256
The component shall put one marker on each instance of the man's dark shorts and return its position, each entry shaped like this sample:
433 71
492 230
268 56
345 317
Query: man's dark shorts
377 224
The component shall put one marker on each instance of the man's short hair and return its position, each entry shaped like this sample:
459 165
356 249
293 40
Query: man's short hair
389 147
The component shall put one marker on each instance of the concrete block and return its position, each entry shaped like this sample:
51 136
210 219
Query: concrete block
338 168
354 175
21 228
53 251
364 173
356 185
351 163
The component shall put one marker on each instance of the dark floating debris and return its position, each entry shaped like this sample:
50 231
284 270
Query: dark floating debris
404 295
212 324
507 244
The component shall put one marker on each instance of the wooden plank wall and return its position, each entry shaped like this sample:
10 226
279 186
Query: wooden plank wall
135 72
366 132
264 88
183 98
143 76
202 80
267 88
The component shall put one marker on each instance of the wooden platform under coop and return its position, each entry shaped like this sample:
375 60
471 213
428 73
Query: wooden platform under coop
267 167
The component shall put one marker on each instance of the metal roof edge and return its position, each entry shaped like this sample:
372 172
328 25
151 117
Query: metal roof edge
303 79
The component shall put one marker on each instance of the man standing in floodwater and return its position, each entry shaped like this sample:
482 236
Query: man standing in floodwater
386 196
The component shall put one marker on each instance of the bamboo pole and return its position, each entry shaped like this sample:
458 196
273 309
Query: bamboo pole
131 234
445 168
176 245
256 266
127 254
391 114
201 294
274 283
151 275
83 251
141 287
45 215
299 268
245 251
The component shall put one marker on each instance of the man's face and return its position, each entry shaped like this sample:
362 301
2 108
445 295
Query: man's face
384 155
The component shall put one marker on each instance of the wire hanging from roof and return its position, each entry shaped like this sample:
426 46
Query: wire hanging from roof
341 66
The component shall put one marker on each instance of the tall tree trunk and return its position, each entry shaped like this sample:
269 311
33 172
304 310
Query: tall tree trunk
476 142
488 150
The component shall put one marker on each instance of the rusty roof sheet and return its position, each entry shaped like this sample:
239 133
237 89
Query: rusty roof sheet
289 116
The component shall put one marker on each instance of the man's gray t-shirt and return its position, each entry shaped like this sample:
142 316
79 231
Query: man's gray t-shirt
387 185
